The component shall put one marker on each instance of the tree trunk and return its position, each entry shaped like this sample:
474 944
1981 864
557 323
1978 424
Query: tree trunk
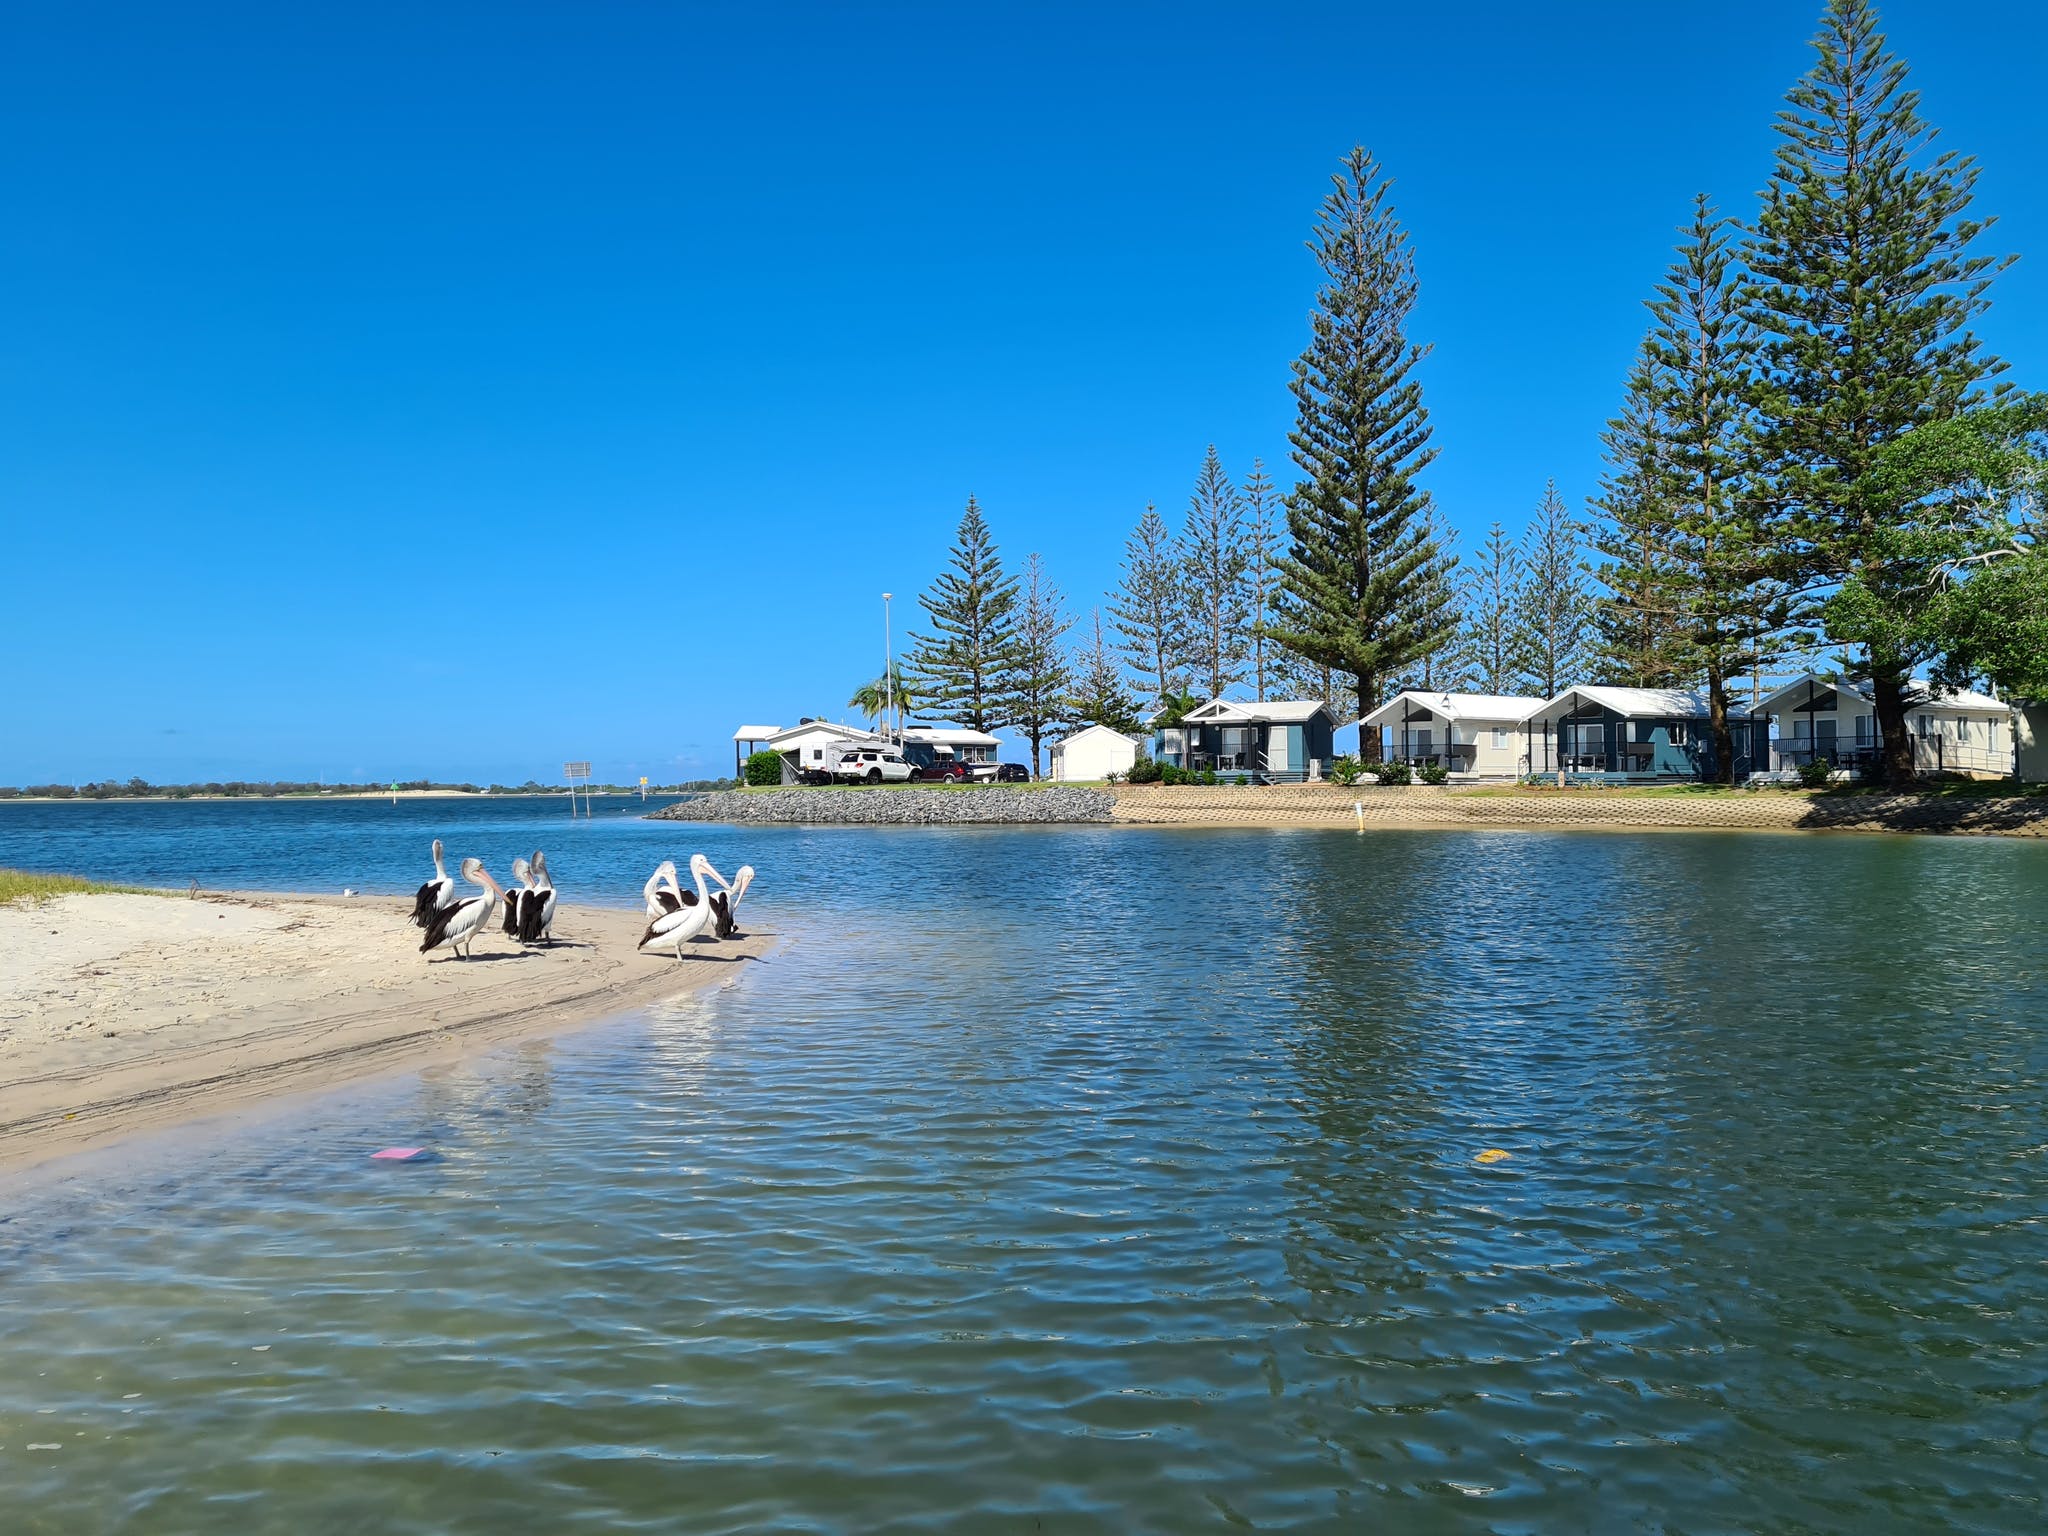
1034 752
1717 726
1888 696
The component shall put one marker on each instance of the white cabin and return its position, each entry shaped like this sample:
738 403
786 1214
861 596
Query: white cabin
1828 716
1472 735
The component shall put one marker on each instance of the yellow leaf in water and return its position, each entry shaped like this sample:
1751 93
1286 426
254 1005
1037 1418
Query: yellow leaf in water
1491 1155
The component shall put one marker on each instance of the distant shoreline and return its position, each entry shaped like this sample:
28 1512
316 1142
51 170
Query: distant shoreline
353 794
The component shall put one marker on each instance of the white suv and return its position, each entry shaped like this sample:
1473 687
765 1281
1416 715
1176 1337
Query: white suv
874 764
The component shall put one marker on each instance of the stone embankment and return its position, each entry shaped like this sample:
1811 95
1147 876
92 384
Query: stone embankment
896 807
1327 805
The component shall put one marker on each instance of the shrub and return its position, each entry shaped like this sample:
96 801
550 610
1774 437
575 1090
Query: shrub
1347 770
1390 773
1144 770
1435 773
1208 775
1813 773
764 767
1243 779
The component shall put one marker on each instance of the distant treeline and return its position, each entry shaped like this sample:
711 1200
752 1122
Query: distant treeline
142 789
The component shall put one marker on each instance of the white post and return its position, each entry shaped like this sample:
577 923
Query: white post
888 673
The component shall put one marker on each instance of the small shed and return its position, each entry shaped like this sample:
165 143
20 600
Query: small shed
1473 735
1645 733
1093 752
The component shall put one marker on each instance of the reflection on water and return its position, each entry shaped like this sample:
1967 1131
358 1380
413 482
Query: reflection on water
1101 1180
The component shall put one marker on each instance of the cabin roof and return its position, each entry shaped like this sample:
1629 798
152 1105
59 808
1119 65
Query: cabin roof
1252 712
756 732
1919 695
1093 730
1455 706
1636 703
949 736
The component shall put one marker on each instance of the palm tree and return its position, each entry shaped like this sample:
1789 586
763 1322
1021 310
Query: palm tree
885 692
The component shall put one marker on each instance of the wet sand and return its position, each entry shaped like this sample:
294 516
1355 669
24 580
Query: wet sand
120 1013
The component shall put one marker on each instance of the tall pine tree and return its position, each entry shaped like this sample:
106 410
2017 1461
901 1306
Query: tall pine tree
1037 686
1261 507
1491 587
1724 542
1553 603
960 667
1636 615
1101 697
1359 561
1149 608
1863 291
1214 564
1440 605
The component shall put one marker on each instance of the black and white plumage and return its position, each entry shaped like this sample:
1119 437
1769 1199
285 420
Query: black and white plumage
457 926
514 900
727 902
537 905
693 913
437 893
665 896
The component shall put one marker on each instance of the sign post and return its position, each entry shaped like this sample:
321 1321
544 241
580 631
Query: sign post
578 773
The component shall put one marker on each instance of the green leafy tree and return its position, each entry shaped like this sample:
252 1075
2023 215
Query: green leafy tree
1553 613
891 692
1359 558
1038 685
1864 287
1215 564
1262 510
1101 697
958 669
1149 607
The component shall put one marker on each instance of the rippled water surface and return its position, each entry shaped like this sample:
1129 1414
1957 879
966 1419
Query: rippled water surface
1111 1179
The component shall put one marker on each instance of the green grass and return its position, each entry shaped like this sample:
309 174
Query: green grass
22 886
1949 789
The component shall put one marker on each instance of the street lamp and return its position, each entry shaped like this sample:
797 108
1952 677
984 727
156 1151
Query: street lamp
888 667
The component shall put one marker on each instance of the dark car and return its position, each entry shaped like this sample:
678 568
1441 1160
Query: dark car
1012 773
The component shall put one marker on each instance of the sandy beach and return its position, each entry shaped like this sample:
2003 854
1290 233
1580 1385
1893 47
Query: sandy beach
123 1012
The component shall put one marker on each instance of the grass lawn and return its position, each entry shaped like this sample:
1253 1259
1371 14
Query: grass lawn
19 885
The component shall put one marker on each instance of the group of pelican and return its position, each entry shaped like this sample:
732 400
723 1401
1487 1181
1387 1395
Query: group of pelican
455 920
674 916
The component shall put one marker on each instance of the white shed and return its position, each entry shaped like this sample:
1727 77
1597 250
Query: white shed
1093 752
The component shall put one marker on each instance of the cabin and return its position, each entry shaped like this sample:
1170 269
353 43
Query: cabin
1827 715
1597 734
941 746
1471 735
1271 741
1094 752
807 744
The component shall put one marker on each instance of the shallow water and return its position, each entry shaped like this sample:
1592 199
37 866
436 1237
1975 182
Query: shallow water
1109 1179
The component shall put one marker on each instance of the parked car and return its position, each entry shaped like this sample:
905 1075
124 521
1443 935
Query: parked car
872 764
944 770
1012 773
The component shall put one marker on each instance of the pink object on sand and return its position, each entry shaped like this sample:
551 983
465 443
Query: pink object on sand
400 1154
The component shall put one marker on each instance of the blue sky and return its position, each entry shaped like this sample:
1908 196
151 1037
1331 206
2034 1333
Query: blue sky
390 392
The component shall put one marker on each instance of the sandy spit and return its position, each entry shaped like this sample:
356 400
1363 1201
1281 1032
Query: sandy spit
122 1013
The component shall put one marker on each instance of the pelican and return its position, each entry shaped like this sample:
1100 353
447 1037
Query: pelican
523 872
727 903
457 926
537 909
664 896
692 916
437 893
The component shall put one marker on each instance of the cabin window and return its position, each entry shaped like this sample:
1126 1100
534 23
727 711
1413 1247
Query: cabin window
1991 734
1500 740
1863 730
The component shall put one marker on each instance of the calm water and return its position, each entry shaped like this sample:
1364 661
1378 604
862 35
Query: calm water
1095 1180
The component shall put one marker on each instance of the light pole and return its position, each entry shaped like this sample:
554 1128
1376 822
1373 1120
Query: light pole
888 668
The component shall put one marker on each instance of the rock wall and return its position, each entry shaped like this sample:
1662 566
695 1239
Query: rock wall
896 807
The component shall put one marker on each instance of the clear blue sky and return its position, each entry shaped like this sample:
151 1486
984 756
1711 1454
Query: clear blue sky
400 391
